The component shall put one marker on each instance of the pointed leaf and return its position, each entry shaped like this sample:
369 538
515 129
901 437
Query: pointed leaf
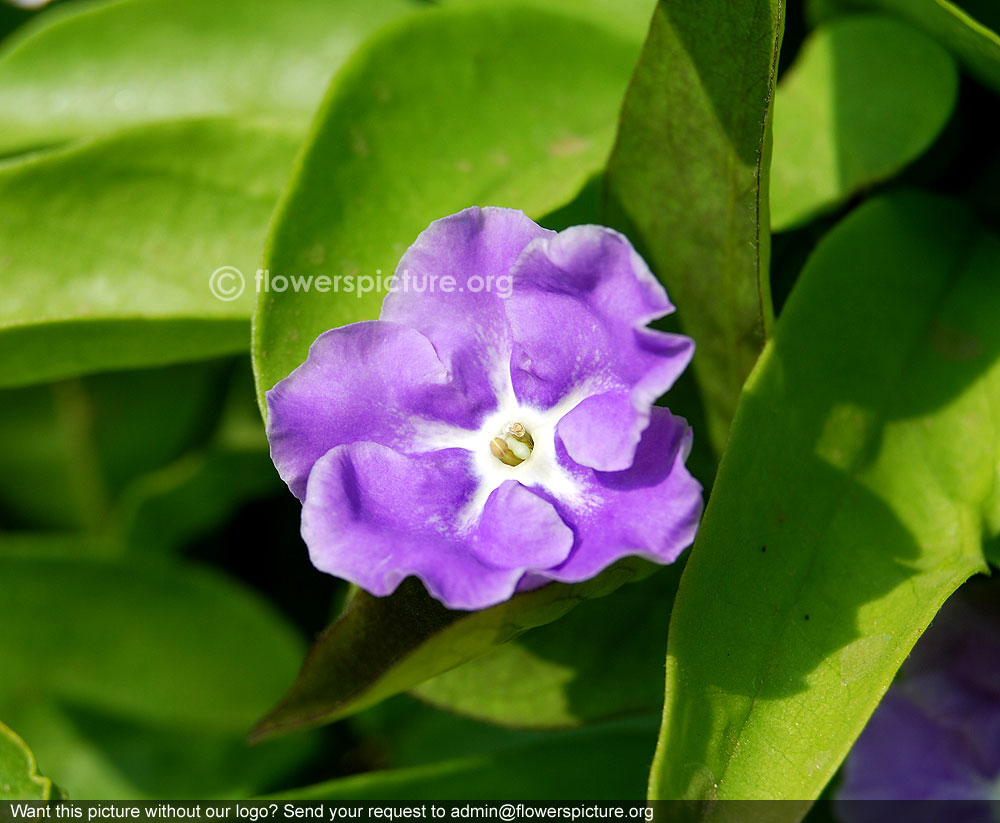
853 499
688 179
601 661
385 645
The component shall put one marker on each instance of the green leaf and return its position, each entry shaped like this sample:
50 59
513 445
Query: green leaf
603 660
68 449
688 179
108 248
383 646
599 764
99 754
406 731
977 46
164 510
57 544
86 70
162 644
865 96
19 776
629 18
141 681
852 500
467 106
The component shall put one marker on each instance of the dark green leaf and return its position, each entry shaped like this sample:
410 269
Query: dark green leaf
68 449
164 644
597 764
142 681
406 731
853 499
688 179
977 46
383 646
100 754
476 105
603 660
865 96
164 510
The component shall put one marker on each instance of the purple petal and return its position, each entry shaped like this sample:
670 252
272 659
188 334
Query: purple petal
650 509
520 530
954 676
936 734
903 754
467 325
368 381
578 313
374 517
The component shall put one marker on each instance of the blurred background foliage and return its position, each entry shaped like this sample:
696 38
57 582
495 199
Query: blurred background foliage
157 600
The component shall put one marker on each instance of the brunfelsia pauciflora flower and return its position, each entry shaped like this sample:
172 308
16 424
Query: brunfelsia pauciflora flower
487 443
936 733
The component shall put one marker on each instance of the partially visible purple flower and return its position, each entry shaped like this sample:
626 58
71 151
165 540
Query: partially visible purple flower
936 733
486 444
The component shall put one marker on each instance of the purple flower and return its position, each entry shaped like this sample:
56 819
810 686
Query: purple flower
486 444
936 733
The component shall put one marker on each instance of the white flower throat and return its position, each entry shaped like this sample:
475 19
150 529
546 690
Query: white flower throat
514 442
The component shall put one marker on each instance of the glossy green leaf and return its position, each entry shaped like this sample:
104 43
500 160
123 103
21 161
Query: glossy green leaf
108 249
19 777
976 45
474 105
601 661
866 96
688 179
853 499
89 69
162 644
382 646
598 764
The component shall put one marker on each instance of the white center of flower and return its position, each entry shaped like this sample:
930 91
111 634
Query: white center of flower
515 442
513 446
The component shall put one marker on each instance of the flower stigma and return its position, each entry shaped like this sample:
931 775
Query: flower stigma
513 446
